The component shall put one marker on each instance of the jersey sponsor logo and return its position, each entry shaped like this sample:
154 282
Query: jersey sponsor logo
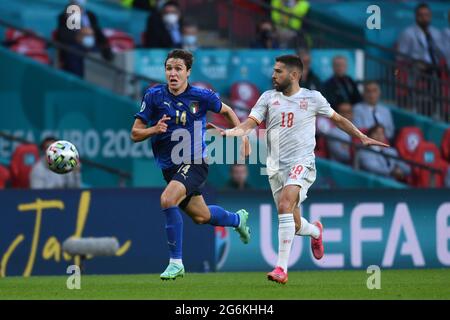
194 107
304 104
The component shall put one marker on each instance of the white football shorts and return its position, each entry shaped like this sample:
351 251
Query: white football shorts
302 175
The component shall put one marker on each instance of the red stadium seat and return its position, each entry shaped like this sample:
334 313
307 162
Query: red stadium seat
243 96
427 153
119 40
244 91
17 37
22 161
4 176
31 43
445 145
12 35
323 126
37 54
408 139
321 149
40 56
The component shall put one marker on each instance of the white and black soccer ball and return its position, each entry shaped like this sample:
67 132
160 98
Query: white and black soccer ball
62 157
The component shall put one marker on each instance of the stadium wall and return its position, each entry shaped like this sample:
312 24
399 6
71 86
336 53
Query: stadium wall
390 228
34 225
55 103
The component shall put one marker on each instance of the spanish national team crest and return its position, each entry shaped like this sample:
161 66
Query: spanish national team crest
304 104
194 107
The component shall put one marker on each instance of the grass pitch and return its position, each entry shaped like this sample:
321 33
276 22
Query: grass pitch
395 284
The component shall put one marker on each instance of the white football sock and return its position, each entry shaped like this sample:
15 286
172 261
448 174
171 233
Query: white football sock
177 261
286 233
308 229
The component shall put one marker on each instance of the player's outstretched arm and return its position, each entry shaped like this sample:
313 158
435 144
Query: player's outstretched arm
241 130
350 128
140 132
233 120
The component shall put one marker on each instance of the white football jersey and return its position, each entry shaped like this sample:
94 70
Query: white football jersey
290 125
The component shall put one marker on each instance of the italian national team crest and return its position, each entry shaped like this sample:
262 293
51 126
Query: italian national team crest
194 107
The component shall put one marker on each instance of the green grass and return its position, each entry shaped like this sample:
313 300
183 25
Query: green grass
395 284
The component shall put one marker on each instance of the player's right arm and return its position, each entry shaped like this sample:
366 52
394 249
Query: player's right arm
257 115
242 129
140 132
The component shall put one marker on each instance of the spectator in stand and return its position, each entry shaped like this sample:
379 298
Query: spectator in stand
266 36
291 29
371 112
309 79
421 41
341 87
446 41
238 177
164 27
190 36
378 162
148 5
340 151
41 177
89 38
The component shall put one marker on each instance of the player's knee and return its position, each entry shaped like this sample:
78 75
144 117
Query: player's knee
167 201
200 219
284 206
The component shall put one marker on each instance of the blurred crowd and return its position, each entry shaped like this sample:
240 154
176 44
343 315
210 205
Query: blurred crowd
422 48
28 169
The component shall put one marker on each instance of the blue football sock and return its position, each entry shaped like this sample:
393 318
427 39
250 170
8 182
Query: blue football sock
174 231
222 217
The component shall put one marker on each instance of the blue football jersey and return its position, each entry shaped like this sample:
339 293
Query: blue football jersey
187 124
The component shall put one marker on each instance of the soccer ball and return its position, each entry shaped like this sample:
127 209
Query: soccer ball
62 157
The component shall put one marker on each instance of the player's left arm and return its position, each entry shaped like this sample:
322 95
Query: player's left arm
345 125
233 120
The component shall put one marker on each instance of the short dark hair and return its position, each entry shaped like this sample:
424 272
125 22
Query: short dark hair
184 55
291 60
45 141
370 82
421 6
170 3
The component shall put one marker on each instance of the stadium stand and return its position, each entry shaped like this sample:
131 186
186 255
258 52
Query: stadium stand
22 161
445 145
408 139
124 27
243 94
4 176
119 41
428 153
